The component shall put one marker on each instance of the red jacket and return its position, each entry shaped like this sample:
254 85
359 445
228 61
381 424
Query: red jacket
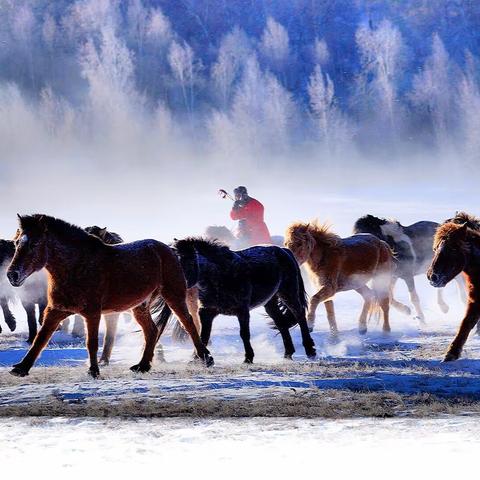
252 228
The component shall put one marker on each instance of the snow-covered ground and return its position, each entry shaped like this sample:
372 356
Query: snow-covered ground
375 375
239 448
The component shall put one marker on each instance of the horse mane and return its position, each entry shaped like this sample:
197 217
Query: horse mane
446 230
460 218
57 226
368 224
204 246
319 231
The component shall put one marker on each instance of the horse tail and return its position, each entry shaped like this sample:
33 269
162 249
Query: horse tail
284 312
301 285
163 314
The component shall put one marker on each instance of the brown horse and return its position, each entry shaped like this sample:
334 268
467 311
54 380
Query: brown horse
457 249
339 264
89 277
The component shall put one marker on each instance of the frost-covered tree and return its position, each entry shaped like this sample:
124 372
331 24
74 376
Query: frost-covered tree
380 56
109 71
184 68
433 92
332 127
262 115
275 45
234 49
469 110
321 55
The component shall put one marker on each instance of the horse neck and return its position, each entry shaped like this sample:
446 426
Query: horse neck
63 255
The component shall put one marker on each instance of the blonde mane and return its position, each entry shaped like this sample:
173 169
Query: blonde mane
320 232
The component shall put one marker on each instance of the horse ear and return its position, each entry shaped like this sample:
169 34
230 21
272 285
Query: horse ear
19 218
103 231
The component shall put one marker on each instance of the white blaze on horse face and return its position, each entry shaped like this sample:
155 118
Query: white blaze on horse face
22 240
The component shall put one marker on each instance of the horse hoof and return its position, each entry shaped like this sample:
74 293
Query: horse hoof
248 360
18 371
94 372
105 362
362 331
387 331
312 356
139 368
209 362
11 323
288 356
450 357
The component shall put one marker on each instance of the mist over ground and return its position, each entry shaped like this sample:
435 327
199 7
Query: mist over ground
132 114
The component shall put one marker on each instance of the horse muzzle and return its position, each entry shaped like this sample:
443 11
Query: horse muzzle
16 278
437 281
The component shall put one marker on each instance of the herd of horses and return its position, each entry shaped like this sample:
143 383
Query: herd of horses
65 271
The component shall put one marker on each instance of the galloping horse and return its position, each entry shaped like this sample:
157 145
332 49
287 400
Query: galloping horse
412 245
111 319
457 249
339 264
234 282
89 277
33 293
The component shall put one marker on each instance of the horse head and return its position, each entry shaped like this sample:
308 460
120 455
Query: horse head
450 249
300 241
30 248
188 257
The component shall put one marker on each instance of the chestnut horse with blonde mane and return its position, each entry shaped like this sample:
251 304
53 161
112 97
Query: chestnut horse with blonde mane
456 249
88 277
339 264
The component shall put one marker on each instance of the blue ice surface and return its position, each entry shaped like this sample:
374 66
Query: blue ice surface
52 356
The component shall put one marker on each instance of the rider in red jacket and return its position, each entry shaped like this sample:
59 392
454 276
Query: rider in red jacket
252 229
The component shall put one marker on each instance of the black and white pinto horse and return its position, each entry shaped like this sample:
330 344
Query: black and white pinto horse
31 294
111 319
234 282
412 246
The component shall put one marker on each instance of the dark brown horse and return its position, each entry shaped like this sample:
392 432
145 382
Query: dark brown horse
457 249
88 277
111 320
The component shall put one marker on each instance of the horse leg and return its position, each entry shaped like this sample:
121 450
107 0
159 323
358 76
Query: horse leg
176 301
462 288
367 296
332 322
441 302
470 319
41 311
410 281
192 305
8 315
271 307
51 321
322 295
78 330
382 295
206 321
150 331
31 320
244 321
111 322
93 322
401 307
295 307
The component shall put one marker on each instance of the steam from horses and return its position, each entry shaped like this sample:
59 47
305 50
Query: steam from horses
116 117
